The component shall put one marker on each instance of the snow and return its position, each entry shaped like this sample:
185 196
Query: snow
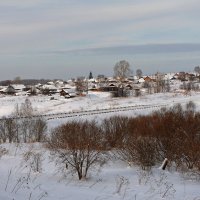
94 100
116 180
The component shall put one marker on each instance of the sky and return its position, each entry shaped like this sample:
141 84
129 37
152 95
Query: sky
70 38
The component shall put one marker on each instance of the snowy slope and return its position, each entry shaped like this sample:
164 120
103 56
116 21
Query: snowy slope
115 180
94 100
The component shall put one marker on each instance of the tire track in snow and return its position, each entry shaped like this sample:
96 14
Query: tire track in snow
92 112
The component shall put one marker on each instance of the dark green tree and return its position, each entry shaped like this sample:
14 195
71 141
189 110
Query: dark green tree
90 75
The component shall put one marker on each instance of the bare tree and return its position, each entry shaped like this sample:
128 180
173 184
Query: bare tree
8 128
197 70
17 80
78 146
167 85
11 129
122 70
188 86
33 91
3 134
114 130
149 87
81 85
135 148
139 73
33 159
39 130
28 129
190 107
161 84
25 122
26 108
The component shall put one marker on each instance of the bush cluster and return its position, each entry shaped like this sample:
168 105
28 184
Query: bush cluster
172 133
169 133
145 141
21 126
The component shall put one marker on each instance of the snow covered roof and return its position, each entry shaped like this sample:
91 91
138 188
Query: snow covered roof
3 89
169 76
58 81
67 86
50 87
50 83
18 86
92 80
141 80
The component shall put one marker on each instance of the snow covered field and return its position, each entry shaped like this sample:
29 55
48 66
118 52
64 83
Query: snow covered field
115 180
95 101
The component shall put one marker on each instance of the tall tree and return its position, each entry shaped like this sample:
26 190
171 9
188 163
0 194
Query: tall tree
81 85
197 70
122 70
139 73
90 75
17 80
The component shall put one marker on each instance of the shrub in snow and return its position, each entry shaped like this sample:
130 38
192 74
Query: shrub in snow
8 130
114 130
78 146
160 186
3 151
21 126
22 186
140 151
34 160
121 184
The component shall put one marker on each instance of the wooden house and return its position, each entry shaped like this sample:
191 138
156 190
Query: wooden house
10 90
148 79
68 93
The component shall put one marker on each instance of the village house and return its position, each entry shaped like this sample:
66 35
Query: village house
13 89
68 93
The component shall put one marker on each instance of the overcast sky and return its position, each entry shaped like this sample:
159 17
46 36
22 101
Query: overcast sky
69 38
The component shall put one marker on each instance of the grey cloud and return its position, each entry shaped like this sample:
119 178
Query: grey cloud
134 49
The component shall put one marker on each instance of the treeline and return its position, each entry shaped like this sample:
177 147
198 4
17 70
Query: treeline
21 127
145 141
24 81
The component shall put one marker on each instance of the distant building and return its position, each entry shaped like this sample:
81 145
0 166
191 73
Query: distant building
10 90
